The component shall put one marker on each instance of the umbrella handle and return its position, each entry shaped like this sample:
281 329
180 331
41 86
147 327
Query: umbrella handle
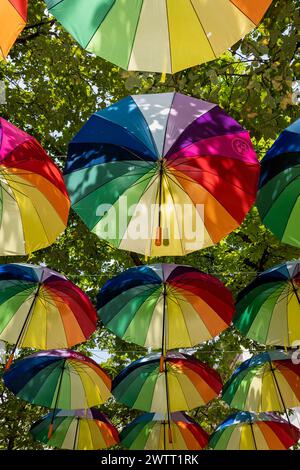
11 358
170 434
158 238
162 363
50 431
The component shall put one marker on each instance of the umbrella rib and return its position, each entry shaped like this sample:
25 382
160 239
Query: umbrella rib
191 144
57 395
192 180
172 104
278 195
252 431
184 319
140 181
170 191
203 29
131 134
279 392
76 432
23 329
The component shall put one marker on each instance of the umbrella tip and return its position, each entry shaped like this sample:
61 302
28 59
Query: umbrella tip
9 362
50 431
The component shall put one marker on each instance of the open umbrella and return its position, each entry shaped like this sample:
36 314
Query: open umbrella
247 431
268 310
34 204
150 432
13 16
162 174
269 381
40 308
59 379
158 35
181 382
76 430
278 199
165 306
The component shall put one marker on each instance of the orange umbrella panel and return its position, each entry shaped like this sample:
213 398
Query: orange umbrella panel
13 16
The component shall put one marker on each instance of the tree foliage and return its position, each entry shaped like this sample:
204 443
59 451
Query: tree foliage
53 86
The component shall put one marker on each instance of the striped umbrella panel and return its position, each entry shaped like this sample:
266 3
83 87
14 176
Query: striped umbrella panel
165 305
278 188
267 382
13 17
76 430
150 432
150 35
186 383
268 310
34 204
164 174
40 308
59 379
247 431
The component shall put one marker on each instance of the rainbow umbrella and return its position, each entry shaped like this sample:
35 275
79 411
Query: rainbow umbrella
162 175
165 306
150 432
34 204
59 379
183 383
165 384
40 308
278 199
268 310
266 382
13 17
158 35
76 430
247 431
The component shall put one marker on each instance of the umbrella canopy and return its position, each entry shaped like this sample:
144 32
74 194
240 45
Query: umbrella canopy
183 384
267 382
34 204
40 308
158 35
13 17
162 174
76 430
165 306
268 310
247 431
150 432
278 199
59 378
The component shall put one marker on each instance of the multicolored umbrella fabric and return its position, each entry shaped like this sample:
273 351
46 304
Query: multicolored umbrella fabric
165 306
34 204
151 35
150 432
13 17
183 384
76 430
267 382
278 199
40 308
162 174
59 379
247 431
268 310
